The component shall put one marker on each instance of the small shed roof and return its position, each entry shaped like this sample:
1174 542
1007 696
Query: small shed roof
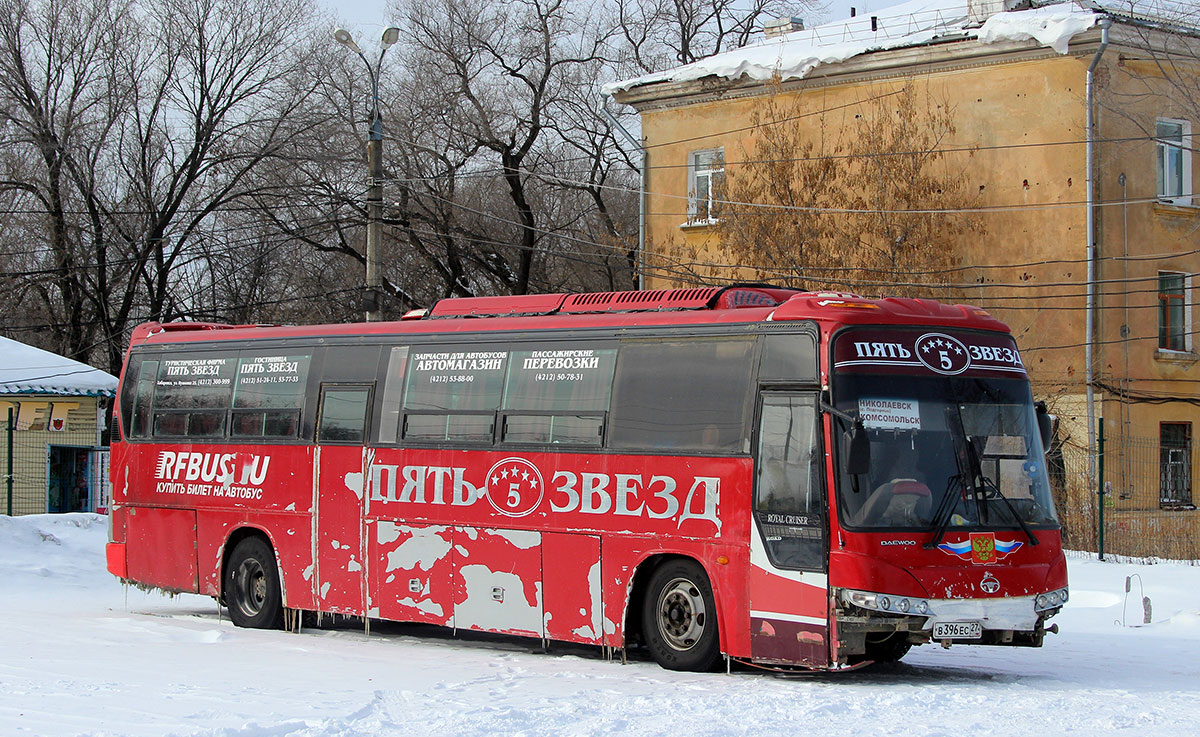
28 370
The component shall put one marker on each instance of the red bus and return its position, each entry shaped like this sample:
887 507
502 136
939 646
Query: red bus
777 477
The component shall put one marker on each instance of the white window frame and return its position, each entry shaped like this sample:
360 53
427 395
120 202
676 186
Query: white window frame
1187 310
1166 174
704 167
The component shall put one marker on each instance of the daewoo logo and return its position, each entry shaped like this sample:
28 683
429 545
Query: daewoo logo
236 475
990 584
885 543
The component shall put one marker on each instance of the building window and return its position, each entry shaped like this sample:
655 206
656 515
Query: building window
1172 151
1175 466
705 169
1174 317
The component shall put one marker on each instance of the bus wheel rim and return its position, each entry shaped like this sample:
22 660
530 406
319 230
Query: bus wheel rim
252 593
680 614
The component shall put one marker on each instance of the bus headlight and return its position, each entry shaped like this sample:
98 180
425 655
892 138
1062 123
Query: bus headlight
886 603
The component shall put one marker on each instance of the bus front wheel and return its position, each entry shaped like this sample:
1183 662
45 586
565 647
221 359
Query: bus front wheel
252 586
679 618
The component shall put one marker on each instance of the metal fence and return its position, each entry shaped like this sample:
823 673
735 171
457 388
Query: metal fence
1137 501
43 472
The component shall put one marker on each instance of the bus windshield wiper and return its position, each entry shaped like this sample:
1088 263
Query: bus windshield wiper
945 510
989 485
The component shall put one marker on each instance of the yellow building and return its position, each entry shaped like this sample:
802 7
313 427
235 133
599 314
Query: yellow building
1018 83
52 415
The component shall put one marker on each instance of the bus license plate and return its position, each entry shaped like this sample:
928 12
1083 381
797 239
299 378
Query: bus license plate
957 631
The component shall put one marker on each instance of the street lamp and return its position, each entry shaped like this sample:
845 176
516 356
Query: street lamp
374 166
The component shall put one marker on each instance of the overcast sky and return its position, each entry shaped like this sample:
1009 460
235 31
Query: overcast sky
369 16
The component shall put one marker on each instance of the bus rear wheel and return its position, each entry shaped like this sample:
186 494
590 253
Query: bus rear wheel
679 618
252 586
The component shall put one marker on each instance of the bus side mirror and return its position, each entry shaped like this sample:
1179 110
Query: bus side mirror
857 449
1045 422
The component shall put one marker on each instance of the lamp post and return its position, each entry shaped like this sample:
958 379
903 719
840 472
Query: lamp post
374 167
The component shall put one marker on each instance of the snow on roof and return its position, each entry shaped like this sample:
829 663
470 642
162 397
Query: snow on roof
913 23
28 370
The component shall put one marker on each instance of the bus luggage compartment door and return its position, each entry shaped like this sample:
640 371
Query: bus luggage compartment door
161 548
411 575
571 595
498 580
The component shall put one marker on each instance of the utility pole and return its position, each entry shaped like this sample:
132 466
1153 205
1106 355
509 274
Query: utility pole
373 296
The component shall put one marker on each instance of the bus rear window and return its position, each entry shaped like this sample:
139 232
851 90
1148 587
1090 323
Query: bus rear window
691 394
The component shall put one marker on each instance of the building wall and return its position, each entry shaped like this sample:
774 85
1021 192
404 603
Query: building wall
32 439
1024 115
1145 385
997 106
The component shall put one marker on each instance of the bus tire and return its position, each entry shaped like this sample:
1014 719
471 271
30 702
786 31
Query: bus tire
252 586
679 617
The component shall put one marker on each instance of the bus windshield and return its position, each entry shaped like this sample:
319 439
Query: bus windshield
948 452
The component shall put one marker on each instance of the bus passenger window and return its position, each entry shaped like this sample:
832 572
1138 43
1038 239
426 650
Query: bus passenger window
343 415
452 392
691 394
564 429
192 395
170 424
465 428
206 424
558 394
788 504
268 394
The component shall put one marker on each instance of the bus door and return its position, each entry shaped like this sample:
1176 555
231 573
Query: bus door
339 557
789 588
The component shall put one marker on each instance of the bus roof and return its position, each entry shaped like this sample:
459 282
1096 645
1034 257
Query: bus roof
739 304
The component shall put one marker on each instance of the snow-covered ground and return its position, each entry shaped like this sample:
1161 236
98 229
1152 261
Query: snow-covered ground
81 655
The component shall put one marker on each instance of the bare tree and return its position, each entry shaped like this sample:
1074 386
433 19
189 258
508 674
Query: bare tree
60 83
661 33
870 203
138 123
504 65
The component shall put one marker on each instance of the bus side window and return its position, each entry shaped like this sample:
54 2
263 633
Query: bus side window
789 504
452 393
393 393
343 416
558 394
192 393
268 394
690 394
788 357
